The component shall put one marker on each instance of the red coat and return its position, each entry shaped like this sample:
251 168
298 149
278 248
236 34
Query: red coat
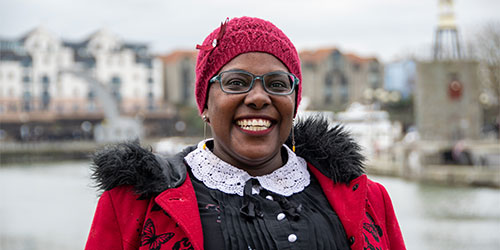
171 220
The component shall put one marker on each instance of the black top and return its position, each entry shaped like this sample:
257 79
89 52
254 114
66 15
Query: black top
267 220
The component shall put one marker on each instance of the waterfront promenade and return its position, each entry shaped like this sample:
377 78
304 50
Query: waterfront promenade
461 175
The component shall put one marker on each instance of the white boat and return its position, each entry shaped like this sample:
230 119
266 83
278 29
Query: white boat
371 128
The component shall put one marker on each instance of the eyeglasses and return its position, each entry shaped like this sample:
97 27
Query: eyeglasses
240 81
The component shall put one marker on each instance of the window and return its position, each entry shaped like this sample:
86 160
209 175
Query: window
373 80
344 89
45 100
328 91
356 67
186 83
115 88
374 67
116 80
26 62
151 101
45 84
337 60
27 101
91 95
45 80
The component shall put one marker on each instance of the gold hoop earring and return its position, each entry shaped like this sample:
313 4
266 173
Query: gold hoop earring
205 121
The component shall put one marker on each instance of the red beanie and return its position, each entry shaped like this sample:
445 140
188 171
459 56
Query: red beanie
238 36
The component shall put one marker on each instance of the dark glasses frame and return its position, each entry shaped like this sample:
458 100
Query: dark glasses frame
256 77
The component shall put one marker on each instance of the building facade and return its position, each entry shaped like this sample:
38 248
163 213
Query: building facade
333 80
447 101
37 75
179 77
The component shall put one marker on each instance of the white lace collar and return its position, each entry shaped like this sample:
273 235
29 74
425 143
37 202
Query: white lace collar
291 178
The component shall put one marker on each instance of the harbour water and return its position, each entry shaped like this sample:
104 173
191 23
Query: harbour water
50 206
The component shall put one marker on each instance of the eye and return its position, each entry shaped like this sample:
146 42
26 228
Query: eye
232 81
278 83
235 82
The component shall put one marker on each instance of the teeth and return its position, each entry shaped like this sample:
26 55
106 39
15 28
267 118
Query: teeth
254 124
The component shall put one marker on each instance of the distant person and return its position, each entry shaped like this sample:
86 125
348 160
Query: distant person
260 182
460 154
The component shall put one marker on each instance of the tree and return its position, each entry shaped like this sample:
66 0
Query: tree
486 49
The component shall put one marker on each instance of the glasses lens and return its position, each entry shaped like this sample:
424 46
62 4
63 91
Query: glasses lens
235 82
279 83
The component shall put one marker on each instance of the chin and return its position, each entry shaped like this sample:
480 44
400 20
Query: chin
260 154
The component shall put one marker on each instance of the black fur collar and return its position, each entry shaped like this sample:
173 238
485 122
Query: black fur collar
330 149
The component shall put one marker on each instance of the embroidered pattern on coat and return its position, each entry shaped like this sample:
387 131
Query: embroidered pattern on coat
372 231
183 244
156 207
149 236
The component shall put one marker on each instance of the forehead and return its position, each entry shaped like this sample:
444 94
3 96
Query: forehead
256 63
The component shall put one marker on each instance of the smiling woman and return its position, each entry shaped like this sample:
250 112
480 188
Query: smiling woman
250 128
260 182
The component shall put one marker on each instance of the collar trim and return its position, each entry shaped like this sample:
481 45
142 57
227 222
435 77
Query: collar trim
291 178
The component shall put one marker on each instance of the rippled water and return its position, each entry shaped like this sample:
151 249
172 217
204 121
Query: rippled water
50 206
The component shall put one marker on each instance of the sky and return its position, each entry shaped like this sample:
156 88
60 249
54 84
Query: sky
387 29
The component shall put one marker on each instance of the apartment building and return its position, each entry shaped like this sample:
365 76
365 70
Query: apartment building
179 77
41 73
333 80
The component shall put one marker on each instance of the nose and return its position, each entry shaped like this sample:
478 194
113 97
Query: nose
257 97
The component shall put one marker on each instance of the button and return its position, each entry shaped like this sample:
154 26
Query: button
355 187
292 238
351 240
269 197
280 216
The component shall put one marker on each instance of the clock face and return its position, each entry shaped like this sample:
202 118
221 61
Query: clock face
455 89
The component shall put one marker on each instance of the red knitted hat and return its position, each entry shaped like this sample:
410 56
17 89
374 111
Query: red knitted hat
238 36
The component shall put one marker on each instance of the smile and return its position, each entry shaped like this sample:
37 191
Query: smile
254 124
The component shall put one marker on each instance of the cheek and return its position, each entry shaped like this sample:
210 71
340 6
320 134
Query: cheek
212 104
221 108
287 107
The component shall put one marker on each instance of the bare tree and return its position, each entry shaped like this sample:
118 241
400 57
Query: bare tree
486 49
484 46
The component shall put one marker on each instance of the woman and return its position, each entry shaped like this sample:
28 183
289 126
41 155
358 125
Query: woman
258 184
